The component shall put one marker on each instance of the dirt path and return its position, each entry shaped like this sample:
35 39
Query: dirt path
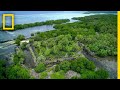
34 74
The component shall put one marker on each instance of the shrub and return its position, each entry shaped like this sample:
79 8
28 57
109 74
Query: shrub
65 65
73 65
47 52
79 38
23 45
16 59
90 65
20 53
2 69
17 41
57 68
32 77
19 38
58 75
75 77
32 34
40 68
17 72
31 40
89 75
82 64
102 74
43 75
102 53
99 74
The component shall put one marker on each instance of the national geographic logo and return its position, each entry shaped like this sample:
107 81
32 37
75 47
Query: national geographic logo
4 21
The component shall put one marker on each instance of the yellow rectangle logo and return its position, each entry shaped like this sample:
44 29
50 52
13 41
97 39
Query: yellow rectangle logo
118 42
10 15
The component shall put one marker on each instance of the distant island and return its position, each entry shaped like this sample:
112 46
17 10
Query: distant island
89 12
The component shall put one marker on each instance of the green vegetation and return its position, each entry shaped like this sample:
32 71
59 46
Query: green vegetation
61 46
95 32
89 75
102 74
101 23
99 74
82 64
32 34
14 71
65 65
23 46
40 68
19 38
18 57
58 75
43 75
17 72
75 77
104 45
57 68
2 69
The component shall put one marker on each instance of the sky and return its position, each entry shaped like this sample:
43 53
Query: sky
35 12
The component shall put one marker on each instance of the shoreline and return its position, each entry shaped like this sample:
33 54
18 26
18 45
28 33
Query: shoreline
29 25
7 41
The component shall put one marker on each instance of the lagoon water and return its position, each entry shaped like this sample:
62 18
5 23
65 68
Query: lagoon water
10 35
22 17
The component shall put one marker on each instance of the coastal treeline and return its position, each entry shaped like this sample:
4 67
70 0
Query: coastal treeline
48 22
